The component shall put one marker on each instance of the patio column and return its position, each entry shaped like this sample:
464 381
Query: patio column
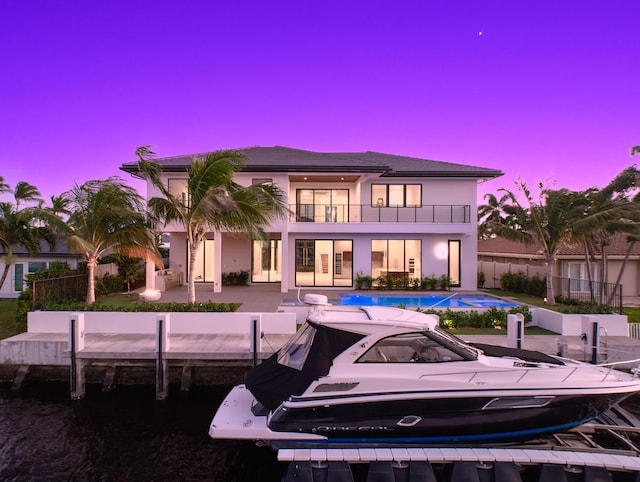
286 258
150 275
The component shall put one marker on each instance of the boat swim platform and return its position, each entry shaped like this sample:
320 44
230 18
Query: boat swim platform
596 452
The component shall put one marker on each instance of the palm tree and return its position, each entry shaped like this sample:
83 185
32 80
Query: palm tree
107 216
22 225
612 210
546 222
214 202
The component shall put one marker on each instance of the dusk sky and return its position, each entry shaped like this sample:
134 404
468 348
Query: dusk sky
546 90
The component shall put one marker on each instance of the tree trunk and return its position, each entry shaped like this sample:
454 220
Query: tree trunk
191 285
620 273
91 287
7 267
551 300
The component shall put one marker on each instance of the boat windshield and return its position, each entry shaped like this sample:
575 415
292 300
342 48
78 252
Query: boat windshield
295 352
453 342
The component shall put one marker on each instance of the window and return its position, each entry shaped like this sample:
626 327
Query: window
396 258
455 263
322 205
295 352
266 261
179 189
18 277
411 347
262 181
396 195
324 262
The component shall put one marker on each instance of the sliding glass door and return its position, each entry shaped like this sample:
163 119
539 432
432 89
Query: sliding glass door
321 262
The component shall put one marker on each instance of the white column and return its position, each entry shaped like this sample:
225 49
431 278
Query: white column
150 275
286 263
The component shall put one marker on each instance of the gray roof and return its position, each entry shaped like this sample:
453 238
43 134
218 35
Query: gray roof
286 159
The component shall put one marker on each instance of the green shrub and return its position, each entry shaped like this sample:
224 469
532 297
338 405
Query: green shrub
110 284
445 282
173 307
429 282
235 278
491 318
521 283
481 279
363 282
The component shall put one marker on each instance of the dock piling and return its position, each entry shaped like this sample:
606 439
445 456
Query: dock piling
23 371
76 343
162 364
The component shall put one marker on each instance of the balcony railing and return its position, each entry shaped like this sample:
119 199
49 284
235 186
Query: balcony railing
364 213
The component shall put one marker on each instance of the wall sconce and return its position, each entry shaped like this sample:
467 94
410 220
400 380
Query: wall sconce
441 251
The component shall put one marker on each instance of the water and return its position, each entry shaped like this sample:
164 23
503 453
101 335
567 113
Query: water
125 435
426 301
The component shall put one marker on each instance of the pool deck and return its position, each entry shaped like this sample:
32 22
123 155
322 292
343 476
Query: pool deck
267 297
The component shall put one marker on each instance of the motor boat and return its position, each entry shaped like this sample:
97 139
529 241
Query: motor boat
377 376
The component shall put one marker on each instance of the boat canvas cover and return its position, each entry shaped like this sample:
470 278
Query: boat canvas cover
272 383
525 355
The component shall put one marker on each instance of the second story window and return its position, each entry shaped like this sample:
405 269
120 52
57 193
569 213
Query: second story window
322 205
178 188
262 181
396 195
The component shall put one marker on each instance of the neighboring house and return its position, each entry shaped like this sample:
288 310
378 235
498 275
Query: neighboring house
27 264
497 255
351 213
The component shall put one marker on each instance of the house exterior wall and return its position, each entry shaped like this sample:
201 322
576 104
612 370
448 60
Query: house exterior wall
28 264
446 196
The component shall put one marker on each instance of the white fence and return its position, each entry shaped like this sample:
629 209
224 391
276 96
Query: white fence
145 323
493 271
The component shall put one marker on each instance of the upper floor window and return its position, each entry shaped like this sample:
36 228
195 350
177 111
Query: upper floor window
262 181
396 195
179 189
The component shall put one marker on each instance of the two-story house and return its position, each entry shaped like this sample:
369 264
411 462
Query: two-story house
350 212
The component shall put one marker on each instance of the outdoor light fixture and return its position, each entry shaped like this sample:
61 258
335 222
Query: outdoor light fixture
441 251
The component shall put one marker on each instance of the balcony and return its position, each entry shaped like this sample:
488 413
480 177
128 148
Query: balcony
364 213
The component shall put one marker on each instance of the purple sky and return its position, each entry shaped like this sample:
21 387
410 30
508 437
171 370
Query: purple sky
547 90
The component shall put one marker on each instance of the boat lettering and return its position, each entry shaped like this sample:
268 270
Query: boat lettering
363 428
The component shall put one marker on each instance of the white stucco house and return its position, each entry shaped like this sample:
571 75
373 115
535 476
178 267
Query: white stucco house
26 264
351 212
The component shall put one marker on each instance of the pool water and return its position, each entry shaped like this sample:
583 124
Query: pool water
426 301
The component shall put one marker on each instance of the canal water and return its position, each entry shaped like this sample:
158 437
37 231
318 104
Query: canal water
125 435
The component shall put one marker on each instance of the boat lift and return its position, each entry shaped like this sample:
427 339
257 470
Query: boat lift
607 450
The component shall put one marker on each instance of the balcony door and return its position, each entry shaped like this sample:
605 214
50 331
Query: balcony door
322 205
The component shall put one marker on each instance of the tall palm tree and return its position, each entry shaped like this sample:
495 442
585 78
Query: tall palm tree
546 222
214 201
612 210
21 223
107 216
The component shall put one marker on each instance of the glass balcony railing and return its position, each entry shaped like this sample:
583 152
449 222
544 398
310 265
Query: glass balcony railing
364 213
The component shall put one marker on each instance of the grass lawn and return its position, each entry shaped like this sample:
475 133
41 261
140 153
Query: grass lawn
118 299
633 314
8 325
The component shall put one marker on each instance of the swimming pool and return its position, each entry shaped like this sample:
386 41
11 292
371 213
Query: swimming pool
426 301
